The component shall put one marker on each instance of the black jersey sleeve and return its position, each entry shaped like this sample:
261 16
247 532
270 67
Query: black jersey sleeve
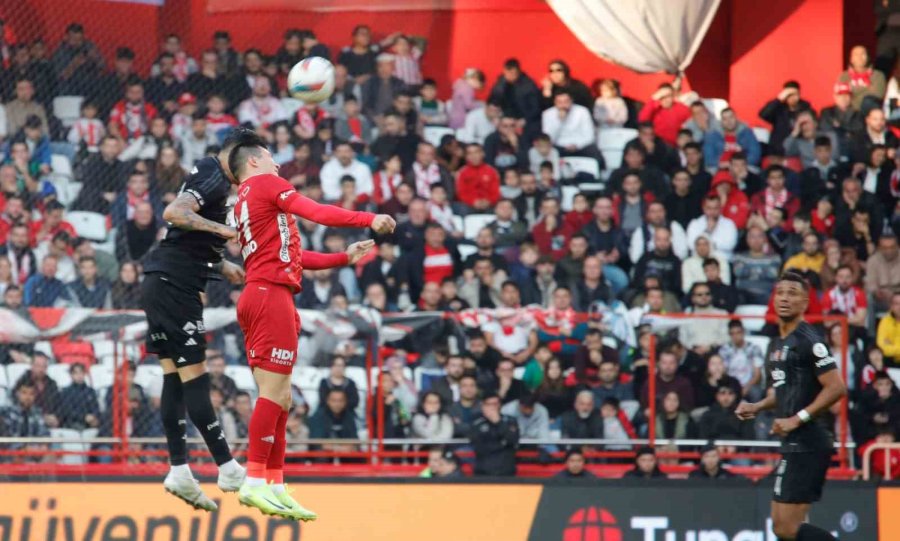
205 182
818 353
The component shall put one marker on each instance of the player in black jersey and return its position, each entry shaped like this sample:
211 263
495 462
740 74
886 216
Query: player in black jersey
803 384
176 274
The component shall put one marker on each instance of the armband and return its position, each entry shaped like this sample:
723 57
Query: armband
804 416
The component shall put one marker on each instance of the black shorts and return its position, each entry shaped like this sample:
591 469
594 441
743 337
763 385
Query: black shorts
175 327
799 477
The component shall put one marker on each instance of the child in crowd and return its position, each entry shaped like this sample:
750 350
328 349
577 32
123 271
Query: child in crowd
823 217
581 213
432 111
610 110
547 179
441 211
510 188
406 60
217 120
88 131
542 151
386 180
353 127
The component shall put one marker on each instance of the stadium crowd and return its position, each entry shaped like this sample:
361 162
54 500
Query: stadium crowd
522 200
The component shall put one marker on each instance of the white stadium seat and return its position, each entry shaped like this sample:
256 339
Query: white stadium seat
573 165
373 375
615 138
426 373
612 158
762 134
357 374
90 225
67 109
473 223
148 375
761 341
4 382
752 324
465 250
568 196
434 134
291 105
61 165
242 376
14 371
60 374
715 106
101 376
4 395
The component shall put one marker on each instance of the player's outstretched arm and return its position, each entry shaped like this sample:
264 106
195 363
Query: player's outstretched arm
182 213
355 252
333 216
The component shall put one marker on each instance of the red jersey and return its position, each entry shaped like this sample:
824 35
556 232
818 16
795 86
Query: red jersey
270 243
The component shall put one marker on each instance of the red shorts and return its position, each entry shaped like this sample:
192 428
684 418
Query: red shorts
271 326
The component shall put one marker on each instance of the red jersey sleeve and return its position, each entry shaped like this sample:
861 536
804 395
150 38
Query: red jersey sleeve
317 260
288 200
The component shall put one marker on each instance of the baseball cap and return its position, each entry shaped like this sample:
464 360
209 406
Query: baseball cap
186 99
842 88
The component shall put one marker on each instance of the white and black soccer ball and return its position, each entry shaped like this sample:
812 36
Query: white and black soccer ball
311 80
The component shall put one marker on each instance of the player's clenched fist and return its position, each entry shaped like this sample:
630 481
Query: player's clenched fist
357 250
383 224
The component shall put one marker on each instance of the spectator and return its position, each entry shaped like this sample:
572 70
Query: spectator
661 261
379 91
78 405
701 122
183 64
749 182
866 83
874 133
77 62
25 419
126 290
775 196
481 288
610 384
195 142
671 421
478 184
505 385
574 466
44 290
463 101
811 258
504 149
714 376
666 113
531 416
51 225
610 110
879 407
701 179
719 145
743 361
559 80
841 118
208 81
846 299
883 273
130 117
693 269
431 110
164 87
137 190
495 438
87 132
888 335
359 57
668 380
351 126
802 140
782 112
570 127
645 465
720 422
721 230
519 98
822 176
553 392
46 392
215 362
755 271
542 151
138 235
467 408
394 408
261 109
89 291
344 163
508 232
703 335
710 465
382 270
432 422
884 466
591 287
319 290
642 241
103 178
22 107
584 420
334 421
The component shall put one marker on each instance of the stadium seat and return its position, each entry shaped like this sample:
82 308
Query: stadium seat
424 377
568 196
518 372
612 159
242 376
762 134
61 165
306 377
715 106
67 109
753 324
4 395
60 374
473 223
4 381
291 105
14 371
101 376
72 446
434 134
465 250
457 222
90 225
614 139
74 352
146 375
573 165
408 373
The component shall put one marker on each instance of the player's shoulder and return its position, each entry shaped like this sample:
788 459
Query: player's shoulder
809 333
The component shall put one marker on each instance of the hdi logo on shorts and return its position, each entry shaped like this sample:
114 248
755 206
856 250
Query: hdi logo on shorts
283 354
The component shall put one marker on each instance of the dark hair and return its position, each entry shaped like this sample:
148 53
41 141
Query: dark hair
510 283
243 142
645 124
563 66
711 262
425 396
694 146
512 63
735 324
528 399
792 84
822 141
124 52
739 155
425 82
489 395
793 275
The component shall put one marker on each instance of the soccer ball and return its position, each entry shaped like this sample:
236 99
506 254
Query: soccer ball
311 80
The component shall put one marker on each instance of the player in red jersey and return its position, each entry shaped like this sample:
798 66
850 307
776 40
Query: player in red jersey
273 261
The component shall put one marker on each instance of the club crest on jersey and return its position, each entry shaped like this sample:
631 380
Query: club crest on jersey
284 195
819 350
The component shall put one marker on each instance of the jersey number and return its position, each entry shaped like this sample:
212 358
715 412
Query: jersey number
243 221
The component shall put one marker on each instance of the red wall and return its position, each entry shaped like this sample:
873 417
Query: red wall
750 49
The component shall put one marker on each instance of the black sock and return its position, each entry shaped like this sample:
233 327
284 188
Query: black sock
808 532
171 409
199 407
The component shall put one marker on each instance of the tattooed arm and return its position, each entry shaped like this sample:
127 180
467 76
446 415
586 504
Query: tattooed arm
182 213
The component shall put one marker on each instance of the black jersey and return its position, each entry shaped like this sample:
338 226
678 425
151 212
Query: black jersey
793 365
189 256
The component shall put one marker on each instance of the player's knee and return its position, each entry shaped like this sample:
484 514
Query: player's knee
785 529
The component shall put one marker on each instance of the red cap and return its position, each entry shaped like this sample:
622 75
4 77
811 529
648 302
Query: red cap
722 177
186 99
842 88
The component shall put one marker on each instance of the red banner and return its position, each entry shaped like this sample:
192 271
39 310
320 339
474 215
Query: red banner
223 6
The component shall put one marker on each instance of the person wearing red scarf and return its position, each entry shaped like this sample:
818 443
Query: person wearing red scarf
775 196
478 184
864 81
132 115
51 224
735 204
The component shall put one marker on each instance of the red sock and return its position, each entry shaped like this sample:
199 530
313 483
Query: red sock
261 434
275 464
